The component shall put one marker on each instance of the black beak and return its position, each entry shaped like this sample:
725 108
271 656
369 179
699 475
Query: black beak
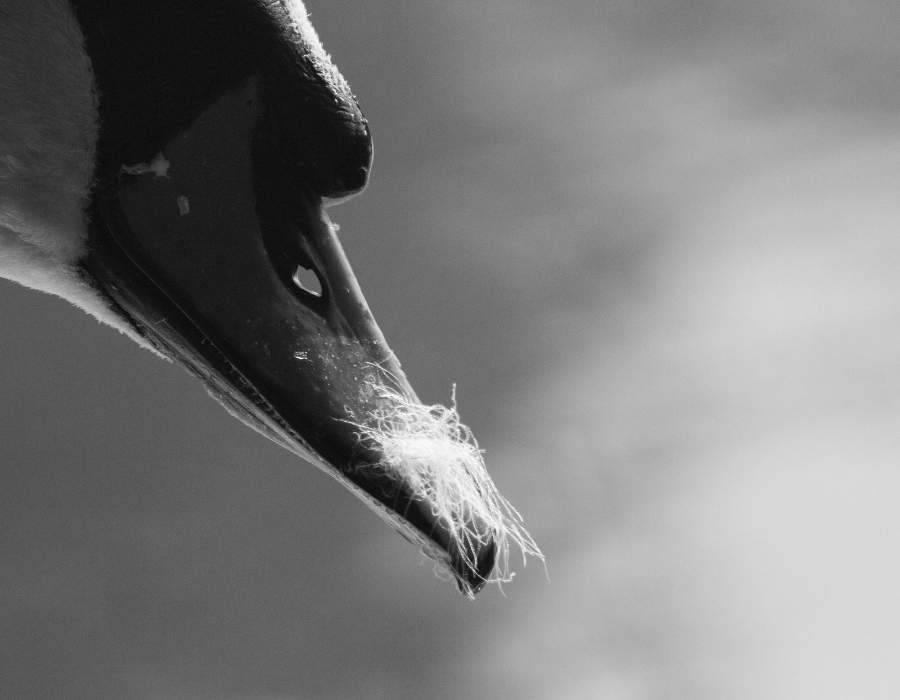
220 253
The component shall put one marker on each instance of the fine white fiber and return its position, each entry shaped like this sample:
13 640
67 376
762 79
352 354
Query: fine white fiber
159 167
440 461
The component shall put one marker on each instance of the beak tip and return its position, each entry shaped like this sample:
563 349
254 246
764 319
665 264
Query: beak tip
470 579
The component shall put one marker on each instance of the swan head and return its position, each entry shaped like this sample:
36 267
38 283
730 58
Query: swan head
167 166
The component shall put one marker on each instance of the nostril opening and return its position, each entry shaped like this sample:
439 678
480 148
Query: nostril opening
308 280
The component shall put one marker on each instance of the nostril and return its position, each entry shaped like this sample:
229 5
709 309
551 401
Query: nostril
307 280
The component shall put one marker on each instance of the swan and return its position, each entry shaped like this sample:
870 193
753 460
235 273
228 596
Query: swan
166 167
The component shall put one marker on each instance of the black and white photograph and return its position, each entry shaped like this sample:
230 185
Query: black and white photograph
440 350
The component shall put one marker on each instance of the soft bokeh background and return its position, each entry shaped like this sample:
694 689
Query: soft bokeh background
656 244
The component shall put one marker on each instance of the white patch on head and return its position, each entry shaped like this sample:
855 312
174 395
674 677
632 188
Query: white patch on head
438 458
48 126
48 134
32 267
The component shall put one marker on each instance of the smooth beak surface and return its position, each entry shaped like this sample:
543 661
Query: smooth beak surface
221 255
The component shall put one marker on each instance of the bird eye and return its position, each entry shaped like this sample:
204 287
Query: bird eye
308 280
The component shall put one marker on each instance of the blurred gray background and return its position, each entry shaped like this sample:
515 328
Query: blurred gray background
656 245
